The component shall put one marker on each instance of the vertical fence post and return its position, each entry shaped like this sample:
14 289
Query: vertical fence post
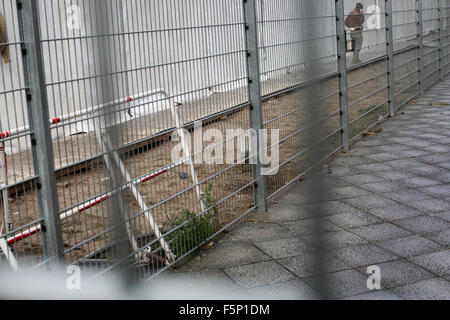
390 56
420 40
342 69
38 117
441 39
254 88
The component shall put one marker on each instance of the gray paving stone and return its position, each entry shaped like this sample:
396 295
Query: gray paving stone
447 139
295 197
420 125
395 212
328 208
371 142
380 232
356 160
298 267
289 290
259 232
443 216
341 284
353 220
427 170
436 262
396 174
304 196
442 237
226 254
442 177
431 205
282 212
333 182
361 179
394 147
412 153
431 136
399 273
402 140
438 148
259 274
373 167
423 224
350 192
310 226
360 151
334 240
410 246
363 255
369 202
407 195
305 265
338 170
445 165
421 182
434 158
433 130
376 295
404 163
417 126
431 289
442 190
385 156
284 248
382 187
420 143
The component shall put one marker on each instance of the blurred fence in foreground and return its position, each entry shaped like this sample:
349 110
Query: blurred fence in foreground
98 94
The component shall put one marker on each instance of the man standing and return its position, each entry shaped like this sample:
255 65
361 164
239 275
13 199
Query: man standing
354 22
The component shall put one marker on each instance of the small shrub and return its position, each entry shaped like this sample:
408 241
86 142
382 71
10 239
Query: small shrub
195 229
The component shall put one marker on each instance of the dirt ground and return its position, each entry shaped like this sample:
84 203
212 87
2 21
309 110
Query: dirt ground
169 194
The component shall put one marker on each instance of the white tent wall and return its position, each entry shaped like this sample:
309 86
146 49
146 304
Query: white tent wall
154 40
283 42
161 57
74 81
405 21
430 16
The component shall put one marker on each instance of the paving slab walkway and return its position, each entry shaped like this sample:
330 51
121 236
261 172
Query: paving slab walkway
388 205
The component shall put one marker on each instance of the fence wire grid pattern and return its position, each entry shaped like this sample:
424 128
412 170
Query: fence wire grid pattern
95 95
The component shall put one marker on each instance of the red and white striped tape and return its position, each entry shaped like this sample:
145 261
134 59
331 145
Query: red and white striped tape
77 114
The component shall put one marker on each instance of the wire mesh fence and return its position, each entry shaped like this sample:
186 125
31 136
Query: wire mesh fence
143 103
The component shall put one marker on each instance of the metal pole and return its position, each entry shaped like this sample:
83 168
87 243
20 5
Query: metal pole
6 219
5 193
105 123
420 44
187 152
342 69
41 139
254 89
441 38
390 56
